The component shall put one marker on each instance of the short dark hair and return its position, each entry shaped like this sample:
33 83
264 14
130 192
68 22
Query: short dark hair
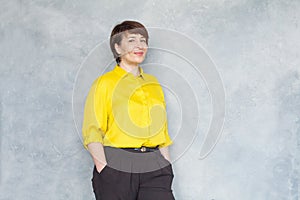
118 32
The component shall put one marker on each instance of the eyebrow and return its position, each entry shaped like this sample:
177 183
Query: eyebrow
135 37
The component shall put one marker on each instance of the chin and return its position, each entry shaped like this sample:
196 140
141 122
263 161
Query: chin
139 61
134 59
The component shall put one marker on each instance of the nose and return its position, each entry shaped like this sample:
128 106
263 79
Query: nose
140 44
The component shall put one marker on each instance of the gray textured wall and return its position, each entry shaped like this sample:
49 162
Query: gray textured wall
254 44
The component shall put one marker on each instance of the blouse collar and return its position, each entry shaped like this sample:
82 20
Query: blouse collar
122 72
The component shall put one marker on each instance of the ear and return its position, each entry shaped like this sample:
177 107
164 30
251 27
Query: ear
118 49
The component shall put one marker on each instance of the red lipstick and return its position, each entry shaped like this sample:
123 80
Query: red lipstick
139 53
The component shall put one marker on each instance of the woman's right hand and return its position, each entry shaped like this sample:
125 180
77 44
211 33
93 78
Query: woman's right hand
100 167
98 155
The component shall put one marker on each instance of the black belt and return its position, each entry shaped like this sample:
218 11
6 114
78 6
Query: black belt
142 149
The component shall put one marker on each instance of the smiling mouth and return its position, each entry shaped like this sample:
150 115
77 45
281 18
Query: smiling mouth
139 53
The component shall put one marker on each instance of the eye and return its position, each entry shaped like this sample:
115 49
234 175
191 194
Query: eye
131 40
143 40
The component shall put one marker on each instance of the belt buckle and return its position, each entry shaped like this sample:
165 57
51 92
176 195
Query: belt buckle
143 149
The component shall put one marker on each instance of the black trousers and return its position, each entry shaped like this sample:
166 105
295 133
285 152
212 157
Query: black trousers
131 175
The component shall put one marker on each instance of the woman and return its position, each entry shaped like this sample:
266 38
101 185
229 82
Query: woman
125 127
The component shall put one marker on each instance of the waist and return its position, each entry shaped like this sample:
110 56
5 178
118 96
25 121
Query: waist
142 149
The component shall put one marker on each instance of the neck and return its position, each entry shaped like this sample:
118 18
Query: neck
132 68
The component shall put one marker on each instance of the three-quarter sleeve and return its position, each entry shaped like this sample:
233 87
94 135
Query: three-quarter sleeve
95 113
168 140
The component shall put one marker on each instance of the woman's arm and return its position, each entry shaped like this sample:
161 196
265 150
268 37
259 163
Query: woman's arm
97 152
165 152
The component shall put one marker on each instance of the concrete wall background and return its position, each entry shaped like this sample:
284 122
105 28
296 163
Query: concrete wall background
255 45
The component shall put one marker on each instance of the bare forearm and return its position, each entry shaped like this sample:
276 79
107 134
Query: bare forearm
165 152
97 152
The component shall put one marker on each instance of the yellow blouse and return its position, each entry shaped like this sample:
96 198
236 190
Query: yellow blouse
123 110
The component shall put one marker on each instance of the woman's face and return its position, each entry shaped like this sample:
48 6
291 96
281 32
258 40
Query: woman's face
132 48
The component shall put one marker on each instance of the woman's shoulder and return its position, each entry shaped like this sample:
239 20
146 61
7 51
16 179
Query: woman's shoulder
150 77
105 79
